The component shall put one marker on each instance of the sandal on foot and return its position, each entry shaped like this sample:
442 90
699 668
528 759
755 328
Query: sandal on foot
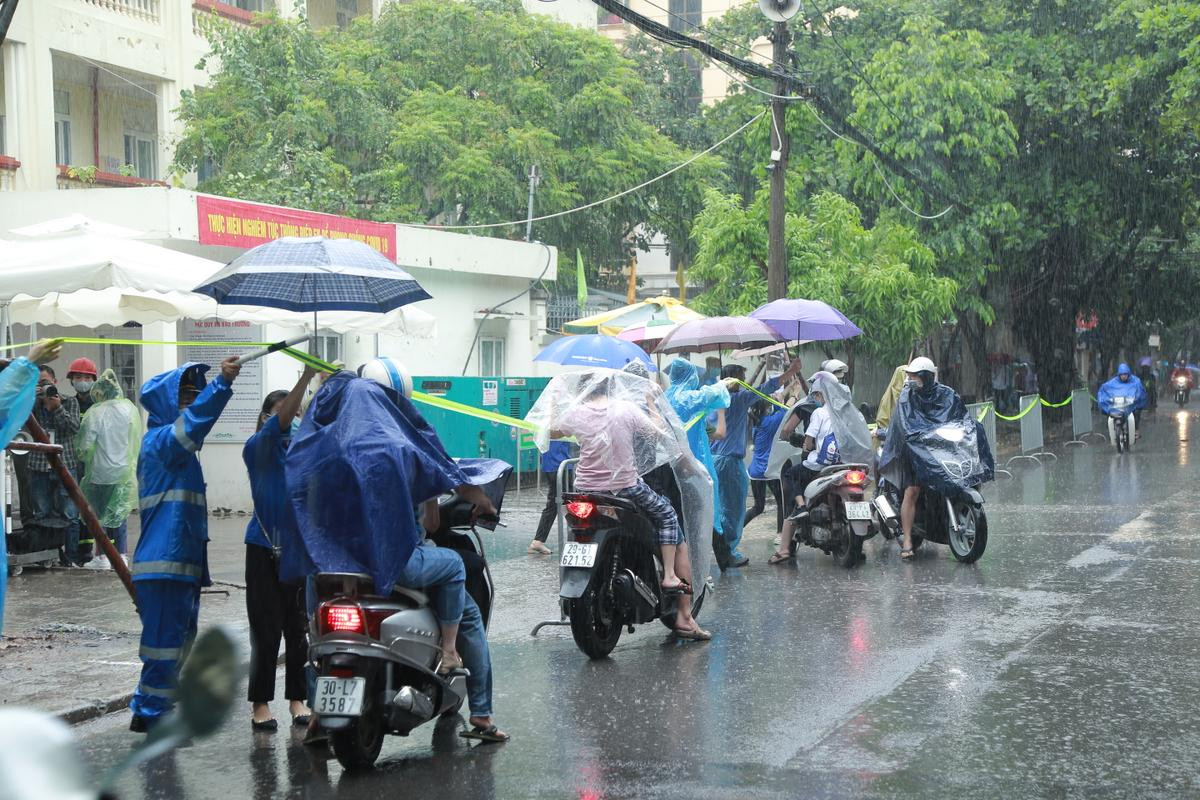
264 726
683 588
488 734
696 634
906 553
780 558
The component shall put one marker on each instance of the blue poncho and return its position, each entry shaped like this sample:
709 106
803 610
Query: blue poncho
362 461
945 445
689 398
1125 396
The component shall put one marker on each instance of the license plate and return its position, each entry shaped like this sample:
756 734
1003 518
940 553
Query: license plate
858 511
340 697
579 554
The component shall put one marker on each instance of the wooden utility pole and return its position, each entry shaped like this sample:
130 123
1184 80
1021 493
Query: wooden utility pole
777 282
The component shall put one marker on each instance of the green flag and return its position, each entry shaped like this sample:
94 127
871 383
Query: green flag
580 281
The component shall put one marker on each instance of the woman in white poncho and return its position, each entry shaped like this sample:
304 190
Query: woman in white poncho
107 445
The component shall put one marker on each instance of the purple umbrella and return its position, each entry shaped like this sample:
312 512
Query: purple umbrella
717 333
806 319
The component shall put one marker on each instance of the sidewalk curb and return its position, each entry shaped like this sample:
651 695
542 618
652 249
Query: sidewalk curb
95 710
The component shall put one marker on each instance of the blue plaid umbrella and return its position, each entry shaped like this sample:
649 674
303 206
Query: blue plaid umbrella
314 274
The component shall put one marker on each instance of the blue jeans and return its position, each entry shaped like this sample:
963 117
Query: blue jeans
440 572
473 647
52 506
119 537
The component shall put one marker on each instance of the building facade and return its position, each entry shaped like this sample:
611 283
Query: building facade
89 88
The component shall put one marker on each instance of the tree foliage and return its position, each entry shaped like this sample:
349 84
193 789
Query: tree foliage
434 114
882 277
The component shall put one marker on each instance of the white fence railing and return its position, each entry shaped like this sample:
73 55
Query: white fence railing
142 9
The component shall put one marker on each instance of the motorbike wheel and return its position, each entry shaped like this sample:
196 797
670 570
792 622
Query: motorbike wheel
592 635
969 543
357 746
848 551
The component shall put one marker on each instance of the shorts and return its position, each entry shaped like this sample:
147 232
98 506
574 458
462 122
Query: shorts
658 509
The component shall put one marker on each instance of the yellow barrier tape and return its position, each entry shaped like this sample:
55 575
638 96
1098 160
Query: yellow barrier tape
983 414
692 422
768 398
1028 408
471 411
1048 404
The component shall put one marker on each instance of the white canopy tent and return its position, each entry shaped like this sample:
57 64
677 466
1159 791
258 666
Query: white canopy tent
91 274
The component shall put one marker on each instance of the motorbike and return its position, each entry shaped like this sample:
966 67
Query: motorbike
957 520
838 519
377 650
1182 391
611 572
1118 430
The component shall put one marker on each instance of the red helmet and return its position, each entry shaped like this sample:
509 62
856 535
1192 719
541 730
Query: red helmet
83 366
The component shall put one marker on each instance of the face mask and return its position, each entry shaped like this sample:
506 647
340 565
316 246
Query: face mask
295 425
912 384
83 386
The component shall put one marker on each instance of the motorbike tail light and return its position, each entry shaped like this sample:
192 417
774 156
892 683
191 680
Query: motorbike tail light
346 619
581 509
856 477
342 672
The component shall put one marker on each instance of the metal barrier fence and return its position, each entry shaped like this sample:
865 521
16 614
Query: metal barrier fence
562 483
1081 418
986 414
1032 433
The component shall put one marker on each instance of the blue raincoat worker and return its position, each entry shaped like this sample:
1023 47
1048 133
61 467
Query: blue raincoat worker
1124 394
170 563
18 387
729 451
689 398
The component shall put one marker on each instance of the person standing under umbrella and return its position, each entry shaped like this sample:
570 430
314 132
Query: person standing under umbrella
729 452
275 609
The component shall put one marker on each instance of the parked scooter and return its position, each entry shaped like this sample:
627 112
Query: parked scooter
838 519
956 520
377 652
612 573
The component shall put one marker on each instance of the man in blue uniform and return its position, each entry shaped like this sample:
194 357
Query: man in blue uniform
170 563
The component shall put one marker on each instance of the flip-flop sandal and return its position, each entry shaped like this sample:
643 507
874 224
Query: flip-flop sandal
694 635
779 558
673 591
488 735
906 553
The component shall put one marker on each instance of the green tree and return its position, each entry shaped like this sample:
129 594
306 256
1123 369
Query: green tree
881 277
434 115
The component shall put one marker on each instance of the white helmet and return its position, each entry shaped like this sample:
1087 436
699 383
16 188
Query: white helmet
921 364
389 373
835 367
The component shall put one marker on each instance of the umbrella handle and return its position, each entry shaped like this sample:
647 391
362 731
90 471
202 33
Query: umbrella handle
262 351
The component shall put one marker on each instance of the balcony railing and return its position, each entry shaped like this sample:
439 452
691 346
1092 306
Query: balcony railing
141 9
85 178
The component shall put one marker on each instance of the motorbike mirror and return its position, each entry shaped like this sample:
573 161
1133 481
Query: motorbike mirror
951 433
207 689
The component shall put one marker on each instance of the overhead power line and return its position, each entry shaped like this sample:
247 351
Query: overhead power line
610 198
802 88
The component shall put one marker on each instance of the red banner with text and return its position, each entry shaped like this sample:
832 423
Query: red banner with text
234 223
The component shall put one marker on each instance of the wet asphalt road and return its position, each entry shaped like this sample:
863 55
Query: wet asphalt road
1063 665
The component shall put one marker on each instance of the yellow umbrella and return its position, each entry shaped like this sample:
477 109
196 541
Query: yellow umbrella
654 310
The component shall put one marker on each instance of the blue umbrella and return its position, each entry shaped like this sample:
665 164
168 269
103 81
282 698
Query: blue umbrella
314 274
594 350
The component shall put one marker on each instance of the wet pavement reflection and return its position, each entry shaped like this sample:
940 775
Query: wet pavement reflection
1063 664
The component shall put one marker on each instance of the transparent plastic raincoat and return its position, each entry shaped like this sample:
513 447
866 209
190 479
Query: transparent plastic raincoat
110 435
639 431
689 398
849 427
